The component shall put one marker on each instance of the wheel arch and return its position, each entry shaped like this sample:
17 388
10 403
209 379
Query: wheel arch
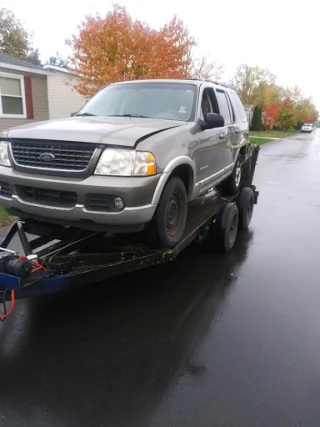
184 168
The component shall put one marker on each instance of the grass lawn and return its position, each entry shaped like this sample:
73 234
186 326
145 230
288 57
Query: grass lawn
3 213
259 141
272 133
5 218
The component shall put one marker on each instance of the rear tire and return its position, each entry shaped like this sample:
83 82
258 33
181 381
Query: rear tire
245 203
171 213
226 227
231 185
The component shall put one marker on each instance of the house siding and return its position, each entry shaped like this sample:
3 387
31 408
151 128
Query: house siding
63 98
39 100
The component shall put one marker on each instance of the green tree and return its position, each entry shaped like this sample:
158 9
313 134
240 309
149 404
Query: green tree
34 57
251 84
15 39
293 93
305 110
58 61
256 118
287 115
286 119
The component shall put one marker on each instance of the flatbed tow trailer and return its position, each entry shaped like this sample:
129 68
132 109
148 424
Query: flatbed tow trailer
57 258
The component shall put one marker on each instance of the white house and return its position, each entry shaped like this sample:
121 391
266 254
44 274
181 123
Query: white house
31 93
63 99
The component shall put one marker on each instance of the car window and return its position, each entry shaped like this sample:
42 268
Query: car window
172 101
224 107
208 102
239 107
231 109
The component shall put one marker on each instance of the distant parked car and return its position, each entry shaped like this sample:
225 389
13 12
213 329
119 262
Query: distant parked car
307 127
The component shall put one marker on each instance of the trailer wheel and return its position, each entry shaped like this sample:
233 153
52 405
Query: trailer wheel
171 214
245 203
226 227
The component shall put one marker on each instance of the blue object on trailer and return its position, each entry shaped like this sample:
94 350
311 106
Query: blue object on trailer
10 282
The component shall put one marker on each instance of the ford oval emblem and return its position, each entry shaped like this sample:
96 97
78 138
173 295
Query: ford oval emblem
47 157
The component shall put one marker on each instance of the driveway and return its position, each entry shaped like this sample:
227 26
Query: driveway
226 341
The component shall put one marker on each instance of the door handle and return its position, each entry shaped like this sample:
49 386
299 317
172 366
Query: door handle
222 135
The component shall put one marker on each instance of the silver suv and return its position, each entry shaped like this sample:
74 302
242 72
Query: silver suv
137 153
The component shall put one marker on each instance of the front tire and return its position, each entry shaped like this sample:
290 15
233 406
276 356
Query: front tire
171 214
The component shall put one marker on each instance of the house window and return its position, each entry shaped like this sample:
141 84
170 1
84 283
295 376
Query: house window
12 96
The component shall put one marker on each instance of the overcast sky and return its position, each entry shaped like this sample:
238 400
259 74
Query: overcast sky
276 34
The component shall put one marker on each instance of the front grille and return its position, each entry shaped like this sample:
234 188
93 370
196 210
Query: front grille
58 155
100 203
46 197
5 190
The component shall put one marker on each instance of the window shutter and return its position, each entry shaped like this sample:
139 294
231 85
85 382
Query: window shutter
28 92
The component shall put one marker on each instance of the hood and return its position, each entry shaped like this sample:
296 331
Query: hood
124 131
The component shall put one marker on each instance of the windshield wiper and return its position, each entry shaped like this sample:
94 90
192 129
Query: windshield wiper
140 116
85 114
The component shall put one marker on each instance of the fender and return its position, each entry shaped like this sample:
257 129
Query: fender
235 147
178 161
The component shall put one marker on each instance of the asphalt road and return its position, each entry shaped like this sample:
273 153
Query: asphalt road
223 341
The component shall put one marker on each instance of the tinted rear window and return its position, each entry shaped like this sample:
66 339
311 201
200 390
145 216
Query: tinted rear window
238 107
224 107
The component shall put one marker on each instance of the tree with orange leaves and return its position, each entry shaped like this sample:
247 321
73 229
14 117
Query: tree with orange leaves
271 115
117 48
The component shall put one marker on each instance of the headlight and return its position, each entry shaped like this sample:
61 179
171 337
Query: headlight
122 162
4 154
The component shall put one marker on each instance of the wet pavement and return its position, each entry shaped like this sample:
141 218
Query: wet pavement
226 341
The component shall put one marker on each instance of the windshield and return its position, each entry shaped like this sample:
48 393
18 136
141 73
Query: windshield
172 101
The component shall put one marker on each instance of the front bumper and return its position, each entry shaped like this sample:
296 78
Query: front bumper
137 192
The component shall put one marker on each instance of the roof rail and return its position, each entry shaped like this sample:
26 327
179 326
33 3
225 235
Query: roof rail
201 79
217 83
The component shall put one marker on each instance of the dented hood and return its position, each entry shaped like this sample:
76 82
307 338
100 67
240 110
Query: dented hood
124 131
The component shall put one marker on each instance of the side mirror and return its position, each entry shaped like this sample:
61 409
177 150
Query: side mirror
212 121
73 114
